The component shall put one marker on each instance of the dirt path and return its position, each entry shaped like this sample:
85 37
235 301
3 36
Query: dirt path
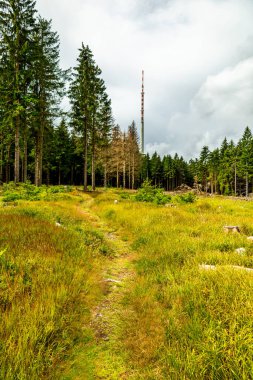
107 317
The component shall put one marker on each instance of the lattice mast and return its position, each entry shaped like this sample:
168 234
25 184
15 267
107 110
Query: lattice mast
142 114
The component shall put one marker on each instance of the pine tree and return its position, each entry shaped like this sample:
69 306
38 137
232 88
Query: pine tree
90 107
47 87
213 169
245 153
203 166
115 164
133 154
62 150
156 168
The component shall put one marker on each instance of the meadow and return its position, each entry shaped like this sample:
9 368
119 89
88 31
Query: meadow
168 314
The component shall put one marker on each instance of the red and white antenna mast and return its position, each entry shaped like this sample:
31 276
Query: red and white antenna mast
142 114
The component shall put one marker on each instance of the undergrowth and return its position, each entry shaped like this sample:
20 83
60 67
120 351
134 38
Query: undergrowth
28 191
152 194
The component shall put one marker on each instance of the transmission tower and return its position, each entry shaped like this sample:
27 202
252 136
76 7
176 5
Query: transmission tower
142 114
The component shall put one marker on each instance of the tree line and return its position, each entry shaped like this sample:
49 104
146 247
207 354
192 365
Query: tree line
226 170
41 143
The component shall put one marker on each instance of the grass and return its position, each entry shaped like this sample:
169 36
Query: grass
180 321
49 282
170 319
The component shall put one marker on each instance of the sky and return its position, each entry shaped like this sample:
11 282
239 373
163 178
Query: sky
197 56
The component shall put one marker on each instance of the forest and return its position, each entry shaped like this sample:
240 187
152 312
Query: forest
41 143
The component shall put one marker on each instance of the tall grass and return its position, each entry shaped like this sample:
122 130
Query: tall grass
181 321
49 281
175 320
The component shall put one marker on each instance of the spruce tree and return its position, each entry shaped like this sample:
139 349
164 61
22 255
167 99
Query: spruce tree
47 87
89 106
245 153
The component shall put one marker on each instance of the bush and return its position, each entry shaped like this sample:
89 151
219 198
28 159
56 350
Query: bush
185 198
149 193
28 191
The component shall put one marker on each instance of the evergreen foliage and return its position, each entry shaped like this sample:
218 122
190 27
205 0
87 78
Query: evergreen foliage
150 193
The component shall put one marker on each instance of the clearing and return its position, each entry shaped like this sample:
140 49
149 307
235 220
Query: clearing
97 289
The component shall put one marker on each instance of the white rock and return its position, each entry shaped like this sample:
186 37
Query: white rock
116 201
244 268
58 224
240 250
250 238
207 267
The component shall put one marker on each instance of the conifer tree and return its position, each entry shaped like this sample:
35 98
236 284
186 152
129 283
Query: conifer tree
90 104
47 87
134 157
62 150
116 154
245 152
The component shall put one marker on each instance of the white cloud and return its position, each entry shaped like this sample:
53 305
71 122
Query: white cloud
221 107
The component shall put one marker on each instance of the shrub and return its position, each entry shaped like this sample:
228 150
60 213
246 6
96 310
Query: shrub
149 193
185 198
28 191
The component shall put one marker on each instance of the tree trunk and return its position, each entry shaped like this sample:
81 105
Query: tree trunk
124 174
247 184
25 158
59 174
117 175
105 174
1 165
211 184
17 151
133 173
93 179
235 181
129 174
8 164
72 175
48 177
38 158
85 158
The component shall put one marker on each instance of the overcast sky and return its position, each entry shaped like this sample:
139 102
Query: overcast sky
198 62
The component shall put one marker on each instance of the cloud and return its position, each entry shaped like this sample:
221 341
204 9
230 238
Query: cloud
227 93
189 50
221 107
